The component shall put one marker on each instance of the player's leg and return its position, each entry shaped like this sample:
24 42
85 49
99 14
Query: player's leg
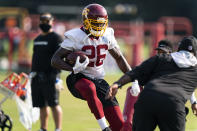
44 117
114 117
57 116
39 101
52 97
111 107
87 90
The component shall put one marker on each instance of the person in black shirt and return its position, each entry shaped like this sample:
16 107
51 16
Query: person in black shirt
164 46
169 81
44 76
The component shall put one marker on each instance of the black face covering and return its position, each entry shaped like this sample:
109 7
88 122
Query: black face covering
45 27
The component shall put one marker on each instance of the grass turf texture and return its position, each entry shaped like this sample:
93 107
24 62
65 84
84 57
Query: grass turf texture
76 114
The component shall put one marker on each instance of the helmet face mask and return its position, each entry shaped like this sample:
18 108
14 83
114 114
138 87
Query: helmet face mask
95 19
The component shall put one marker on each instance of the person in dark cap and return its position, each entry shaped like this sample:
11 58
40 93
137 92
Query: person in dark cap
164 46
44 76
169 81
188 44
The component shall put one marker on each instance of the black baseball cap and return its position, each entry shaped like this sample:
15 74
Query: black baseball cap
46 16
165 45
188 43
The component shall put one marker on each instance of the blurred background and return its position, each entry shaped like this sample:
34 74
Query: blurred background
138 25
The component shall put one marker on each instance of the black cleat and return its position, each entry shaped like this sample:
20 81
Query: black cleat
107 129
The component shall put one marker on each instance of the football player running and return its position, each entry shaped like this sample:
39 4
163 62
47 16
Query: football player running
86 81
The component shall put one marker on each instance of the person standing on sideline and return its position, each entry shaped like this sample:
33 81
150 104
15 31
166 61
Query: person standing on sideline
169 81
44 92
95 39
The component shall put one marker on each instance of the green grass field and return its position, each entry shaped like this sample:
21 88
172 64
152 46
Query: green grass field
76 115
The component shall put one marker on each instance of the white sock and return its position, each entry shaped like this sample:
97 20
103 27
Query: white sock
57 129
103 123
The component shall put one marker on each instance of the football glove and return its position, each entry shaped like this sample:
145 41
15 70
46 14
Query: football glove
135 89
78 67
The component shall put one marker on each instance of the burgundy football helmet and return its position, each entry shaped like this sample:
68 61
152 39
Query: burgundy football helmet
95 19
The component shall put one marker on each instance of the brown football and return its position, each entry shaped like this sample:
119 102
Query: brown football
72 57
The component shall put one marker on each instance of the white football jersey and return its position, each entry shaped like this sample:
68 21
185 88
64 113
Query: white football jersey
95 49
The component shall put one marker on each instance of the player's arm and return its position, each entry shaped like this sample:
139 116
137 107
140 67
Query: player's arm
118 84
58 60
140 73
120 59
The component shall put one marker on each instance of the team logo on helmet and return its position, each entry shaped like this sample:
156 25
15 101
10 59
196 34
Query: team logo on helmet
85 12
189 47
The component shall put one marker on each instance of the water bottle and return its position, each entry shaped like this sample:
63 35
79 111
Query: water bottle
59 84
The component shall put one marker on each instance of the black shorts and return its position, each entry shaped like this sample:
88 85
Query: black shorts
101 88
43 90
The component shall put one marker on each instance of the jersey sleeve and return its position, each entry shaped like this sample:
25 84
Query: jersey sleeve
112 40
68 43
